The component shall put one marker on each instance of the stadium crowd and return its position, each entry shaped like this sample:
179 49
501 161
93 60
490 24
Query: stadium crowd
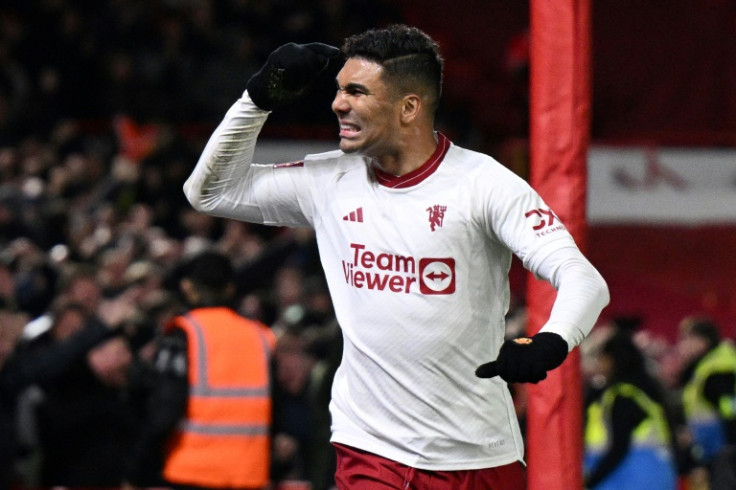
100 109
100 105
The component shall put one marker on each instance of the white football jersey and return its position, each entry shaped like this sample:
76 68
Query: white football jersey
417 268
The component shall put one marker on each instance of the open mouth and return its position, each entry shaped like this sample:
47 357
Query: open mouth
348 130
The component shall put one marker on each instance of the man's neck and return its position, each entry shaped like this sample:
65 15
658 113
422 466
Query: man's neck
412 155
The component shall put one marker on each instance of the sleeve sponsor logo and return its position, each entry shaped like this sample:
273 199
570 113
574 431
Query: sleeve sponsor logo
544 221
398 273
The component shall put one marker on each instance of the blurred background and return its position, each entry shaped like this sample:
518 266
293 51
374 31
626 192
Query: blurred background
105 106
136 79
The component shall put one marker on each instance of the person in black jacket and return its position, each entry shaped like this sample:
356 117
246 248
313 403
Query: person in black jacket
708 389
629 423
42 365
206 283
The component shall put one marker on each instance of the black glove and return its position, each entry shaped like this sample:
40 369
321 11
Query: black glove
289 71
526 360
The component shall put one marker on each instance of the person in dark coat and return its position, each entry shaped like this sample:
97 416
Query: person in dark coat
43 364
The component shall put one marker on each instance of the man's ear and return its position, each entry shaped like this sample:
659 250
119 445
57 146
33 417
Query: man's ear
411 106
189 289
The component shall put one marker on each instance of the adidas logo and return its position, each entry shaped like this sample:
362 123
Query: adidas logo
356 215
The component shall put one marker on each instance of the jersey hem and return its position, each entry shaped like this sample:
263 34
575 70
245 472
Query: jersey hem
402 458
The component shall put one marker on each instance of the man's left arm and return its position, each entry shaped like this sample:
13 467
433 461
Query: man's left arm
582 294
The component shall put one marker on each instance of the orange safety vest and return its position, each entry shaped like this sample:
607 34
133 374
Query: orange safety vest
223 440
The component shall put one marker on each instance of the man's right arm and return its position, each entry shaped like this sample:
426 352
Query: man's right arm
222 182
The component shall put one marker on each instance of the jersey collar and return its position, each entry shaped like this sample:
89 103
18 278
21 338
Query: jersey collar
419 174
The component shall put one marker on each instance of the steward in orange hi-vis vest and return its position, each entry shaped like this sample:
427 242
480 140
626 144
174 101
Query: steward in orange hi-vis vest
223 441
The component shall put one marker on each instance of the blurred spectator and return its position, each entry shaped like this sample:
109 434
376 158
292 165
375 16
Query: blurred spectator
628 429
292 396
723 469
708 383
11 325
143 63
78 285
46 363
306 359
83 420
192 434
102 106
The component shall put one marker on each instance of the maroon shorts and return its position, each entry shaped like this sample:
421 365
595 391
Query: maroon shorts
361 470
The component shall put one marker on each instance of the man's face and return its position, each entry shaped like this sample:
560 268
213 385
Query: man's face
368 114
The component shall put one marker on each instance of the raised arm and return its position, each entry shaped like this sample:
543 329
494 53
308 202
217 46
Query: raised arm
222 182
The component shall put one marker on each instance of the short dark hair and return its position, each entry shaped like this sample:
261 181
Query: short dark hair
703 327
629 360
410 57
211 270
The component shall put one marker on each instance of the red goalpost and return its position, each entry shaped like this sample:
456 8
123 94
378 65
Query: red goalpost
559 136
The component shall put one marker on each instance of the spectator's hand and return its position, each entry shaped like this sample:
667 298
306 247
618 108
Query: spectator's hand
289 71
526 360
110 361
285 447
115 312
